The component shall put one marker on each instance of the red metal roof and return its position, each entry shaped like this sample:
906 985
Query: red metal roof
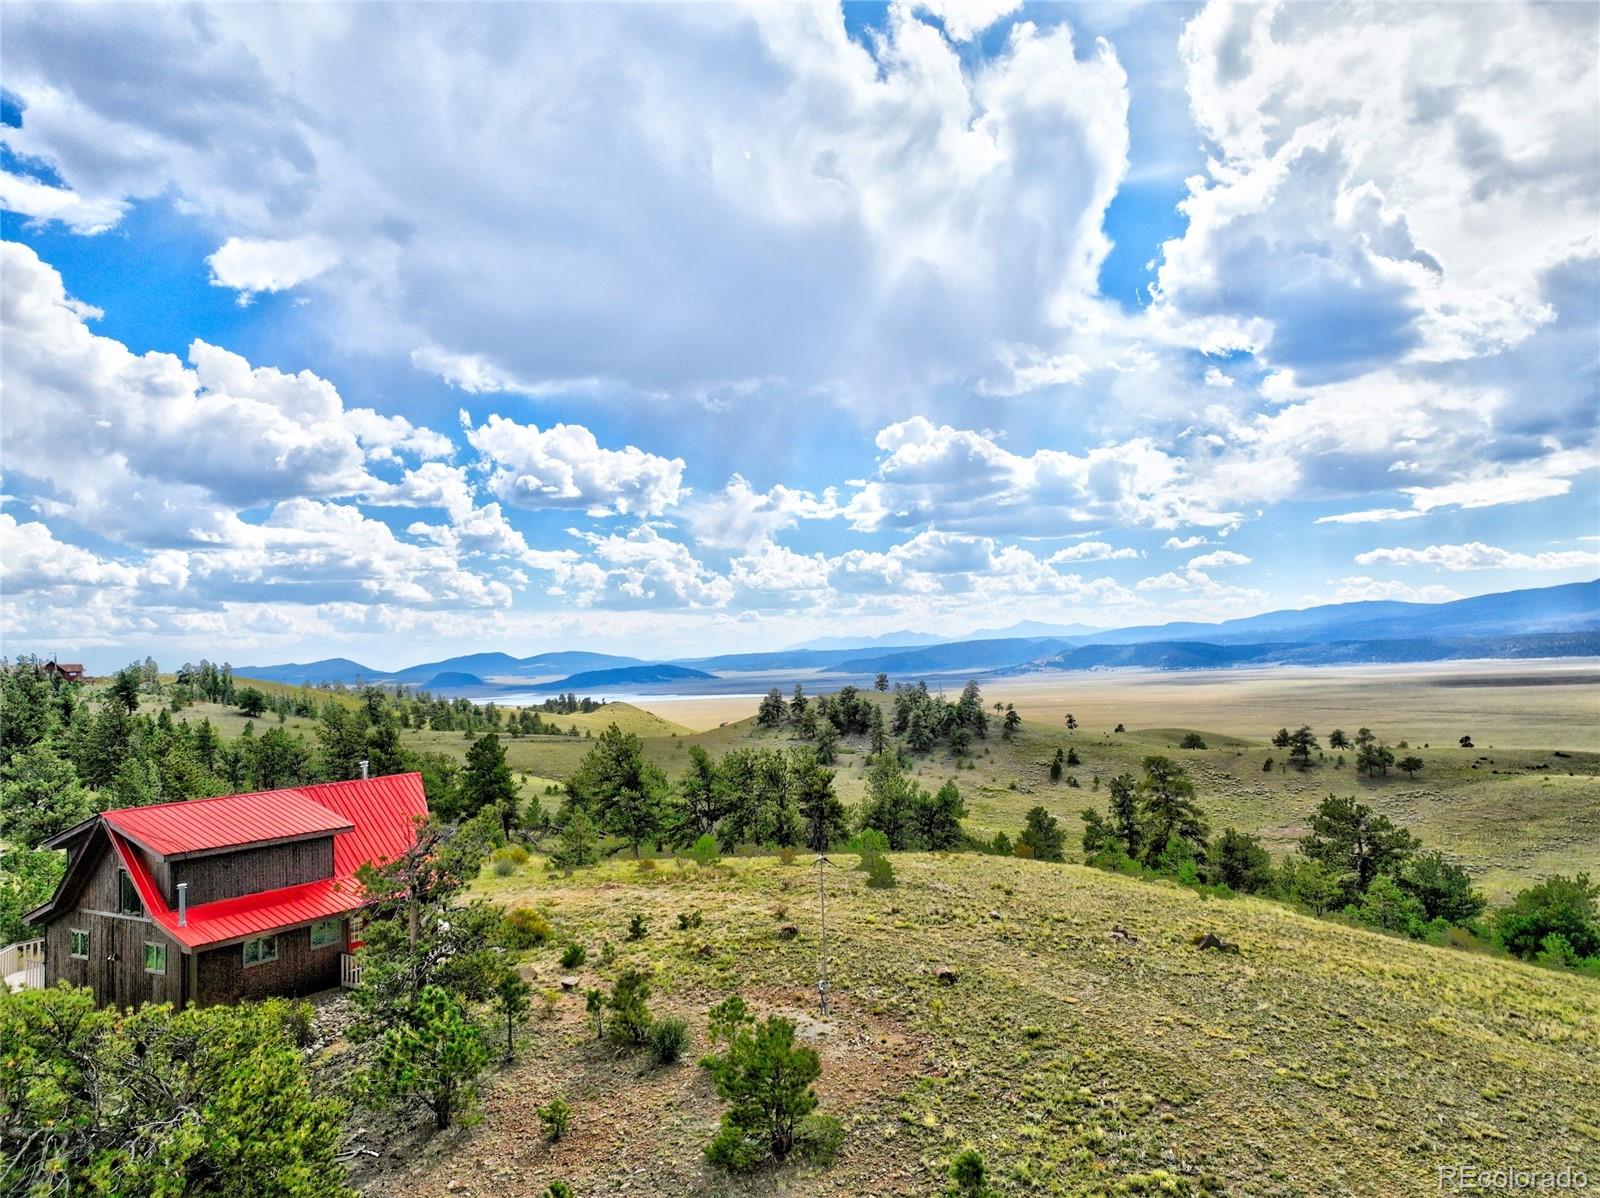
226 822
384 811
382 815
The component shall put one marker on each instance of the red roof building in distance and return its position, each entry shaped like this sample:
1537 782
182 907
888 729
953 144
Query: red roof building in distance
67 671
251 890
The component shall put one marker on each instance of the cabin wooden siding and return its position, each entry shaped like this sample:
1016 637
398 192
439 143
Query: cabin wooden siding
245 871
115 967
222 977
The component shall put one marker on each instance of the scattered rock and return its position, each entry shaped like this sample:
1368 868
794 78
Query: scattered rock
945 976
788 932
1122 935
569 982
705 950
994 915
1212 940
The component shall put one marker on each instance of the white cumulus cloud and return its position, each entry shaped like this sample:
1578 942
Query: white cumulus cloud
565 467
1475 555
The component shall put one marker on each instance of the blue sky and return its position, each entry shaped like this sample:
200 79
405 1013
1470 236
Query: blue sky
393 332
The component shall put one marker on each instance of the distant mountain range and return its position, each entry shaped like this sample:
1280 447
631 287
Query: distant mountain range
485 668
907 640
1558 621
889 640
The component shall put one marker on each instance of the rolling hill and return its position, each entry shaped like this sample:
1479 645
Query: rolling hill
640 675
1078 1038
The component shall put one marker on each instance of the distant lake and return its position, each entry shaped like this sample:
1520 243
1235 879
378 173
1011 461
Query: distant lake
535 698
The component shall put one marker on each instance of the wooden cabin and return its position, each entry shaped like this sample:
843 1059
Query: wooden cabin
217 900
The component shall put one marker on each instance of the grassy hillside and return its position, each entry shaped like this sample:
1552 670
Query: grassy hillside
1319 1060
1509 816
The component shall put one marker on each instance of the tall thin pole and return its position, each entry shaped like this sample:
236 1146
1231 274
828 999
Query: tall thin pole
822 961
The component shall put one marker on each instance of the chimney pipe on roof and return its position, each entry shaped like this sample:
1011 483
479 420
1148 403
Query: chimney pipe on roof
363 769
183 904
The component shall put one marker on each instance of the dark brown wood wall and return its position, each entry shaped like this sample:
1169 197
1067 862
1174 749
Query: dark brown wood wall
300 969
249 871
115 968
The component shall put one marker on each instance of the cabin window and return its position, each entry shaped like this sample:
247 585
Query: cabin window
260 950
324 932
128 895
80 944
155 957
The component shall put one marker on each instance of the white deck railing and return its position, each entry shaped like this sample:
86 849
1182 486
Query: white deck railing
22 965
349 971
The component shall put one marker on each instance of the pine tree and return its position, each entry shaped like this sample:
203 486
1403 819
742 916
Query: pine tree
879 737
1168 809
1043 836
766 1078
624 794
486 784
888 805
772 710
435 1058
822 815
41 796
1124 804
939 816
699 799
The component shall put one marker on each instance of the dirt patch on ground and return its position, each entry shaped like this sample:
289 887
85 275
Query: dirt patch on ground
639 1130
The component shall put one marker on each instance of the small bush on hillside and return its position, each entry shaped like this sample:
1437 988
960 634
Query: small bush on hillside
573 955
646 865
1443 888
558 1189
880 874
514 853
785 856
766 1079
523 927
1001 844
969 1175
1310 883
1559 906
630 1020
504 868
818 1138
1192 740
1386 906
690 919
637 928
579 845
668 1036
867 842
1072 757
1240 862
556 1115
294 1017
704 850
